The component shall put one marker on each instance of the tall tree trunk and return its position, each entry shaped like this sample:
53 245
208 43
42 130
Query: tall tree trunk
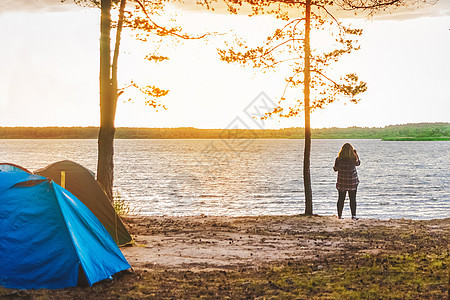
108 96
105 163
116 56
306 91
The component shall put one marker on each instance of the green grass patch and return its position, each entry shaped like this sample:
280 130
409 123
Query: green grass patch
409 139
386 276
123 207
397 276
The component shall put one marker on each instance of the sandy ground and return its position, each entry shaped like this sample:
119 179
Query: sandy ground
203 243
274 257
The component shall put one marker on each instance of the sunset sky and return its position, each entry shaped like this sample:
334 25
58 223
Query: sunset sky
49 65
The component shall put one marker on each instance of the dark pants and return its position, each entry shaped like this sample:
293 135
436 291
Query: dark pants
341 199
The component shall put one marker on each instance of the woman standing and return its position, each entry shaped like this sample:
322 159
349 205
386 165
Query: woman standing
347 179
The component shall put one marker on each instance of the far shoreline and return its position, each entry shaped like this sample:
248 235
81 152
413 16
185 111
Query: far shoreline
446 139
416 131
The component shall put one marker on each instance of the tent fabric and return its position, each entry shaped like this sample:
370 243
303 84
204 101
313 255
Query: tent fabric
8 167
47 236
13 178
81 183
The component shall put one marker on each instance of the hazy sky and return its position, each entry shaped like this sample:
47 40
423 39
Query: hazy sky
49 71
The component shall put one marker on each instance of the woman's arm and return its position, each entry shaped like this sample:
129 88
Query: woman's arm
336 165
358 162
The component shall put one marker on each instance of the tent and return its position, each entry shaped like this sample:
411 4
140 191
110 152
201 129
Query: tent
81 182
8 167
48 238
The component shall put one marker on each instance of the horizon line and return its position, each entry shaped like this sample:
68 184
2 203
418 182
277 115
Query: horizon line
195 128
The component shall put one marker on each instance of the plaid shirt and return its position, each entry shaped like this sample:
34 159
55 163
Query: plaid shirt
347 179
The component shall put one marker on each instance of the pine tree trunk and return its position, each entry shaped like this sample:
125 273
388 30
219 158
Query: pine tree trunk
307 80
105 163
108 96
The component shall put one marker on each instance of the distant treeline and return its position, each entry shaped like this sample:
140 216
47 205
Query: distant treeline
420 131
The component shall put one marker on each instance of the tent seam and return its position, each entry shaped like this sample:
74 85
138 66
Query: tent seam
68 232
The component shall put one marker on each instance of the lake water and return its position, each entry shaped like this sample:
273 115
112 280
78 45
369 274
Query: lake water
258 177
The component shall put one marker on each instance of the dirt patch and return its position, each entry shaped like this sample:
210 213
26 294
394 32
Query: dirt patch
224 242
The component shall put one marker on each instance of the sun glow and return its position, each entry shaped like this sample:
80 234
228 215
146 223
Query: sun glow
57 82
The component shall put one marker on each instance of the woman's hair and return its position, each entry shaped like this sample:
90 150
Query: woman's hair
347 152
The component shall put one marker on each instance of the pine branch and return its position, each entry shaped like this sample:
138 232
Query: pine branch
167 31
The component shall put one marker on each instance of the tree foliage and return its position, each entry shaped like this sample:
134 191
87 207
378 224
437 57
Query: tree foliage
371 7
145 20
285 46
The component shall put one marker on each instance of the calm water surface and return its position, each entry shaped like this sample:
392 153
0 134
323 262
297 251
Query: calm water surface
258 177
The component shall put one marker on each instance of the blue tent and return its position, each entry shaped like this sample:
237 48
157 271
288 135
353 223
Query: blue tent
48 238
8 167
